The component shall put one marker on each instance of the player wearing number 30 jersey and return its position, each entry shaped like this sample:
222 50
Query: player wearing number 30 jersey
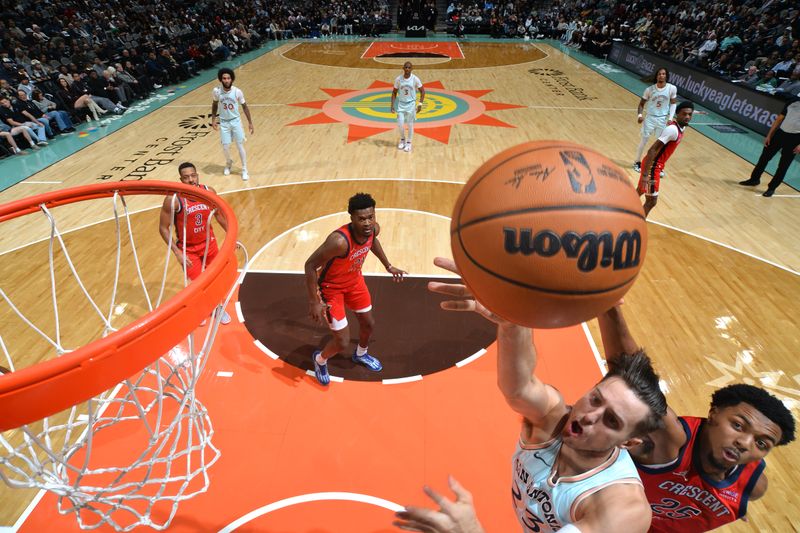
227 100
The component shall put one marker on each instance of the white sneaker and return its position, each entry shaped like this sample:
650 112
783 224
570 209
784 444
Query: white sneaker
104 123
245 175
407 147
157 86
227 170
16 150
42 143
402 144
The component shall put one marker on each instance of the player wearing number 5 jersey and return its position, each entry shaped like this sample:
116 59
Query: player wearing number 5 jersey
227 100
194 244
404 103
334 281
659 101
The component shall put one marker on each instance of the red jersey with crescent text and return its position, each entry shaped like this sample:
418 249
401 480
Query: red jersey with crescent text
345 271
684 499
196 214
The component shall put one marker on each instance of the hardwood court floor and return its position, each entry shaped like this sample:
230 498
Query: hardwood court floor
708 314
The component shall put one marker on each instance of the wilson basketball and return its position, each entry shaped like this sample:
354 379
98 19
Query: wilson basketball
548 234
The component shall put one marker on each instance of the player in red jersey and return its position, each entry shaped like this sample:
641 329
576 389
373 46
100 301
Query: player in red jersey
193 230
656 157
700 473
334 281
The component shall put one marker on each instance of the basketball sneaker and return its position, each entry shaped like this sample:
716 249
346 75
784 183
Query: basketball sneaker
401 144
368 361
320 371
408 147
245 175
227 170
637 166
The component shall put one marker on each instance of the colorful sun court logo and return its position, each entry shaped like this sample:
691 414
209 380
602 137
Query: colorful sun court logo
367 111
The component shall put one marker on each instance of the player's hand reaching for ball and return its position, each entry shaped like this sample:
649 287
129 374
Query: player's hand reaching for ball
466 301
397 274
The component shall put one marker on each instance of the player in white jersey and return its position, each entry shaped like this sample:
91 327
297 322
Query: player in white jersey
227 100
571 469
404 103
660 99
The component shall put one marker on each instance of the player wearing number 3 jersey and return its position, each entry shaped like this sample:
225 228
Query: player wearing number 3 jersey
194 244
404 103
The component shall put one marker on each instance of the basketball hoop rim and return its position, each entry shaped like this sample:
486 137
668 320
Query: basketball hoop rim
54 385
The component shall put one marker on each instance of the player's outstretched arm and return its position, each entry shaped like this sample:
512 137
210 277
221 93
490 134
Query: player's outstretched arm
334 246
540 404
377 249
662 445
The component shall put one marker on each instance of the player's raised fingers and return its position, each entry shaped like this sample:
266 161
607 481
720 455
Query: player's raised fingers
446 263
450 289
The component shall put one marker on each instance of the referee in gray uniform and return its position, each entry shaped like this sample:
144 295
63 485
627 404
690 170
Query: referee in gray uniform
783 137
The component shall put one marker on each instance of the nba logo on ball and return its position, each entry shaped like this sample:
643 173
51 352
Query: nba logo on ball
548 234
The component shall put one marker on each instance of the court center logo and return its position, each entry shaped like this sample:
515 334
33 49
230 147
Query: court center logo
197 122
368 112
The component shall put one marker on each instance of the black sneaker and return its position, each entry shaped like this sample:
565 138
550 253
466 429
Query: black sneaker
637 166
750 183
768 192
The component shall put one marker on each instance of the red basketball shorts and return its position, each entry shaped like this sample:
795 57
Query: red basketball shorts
195 253
355 297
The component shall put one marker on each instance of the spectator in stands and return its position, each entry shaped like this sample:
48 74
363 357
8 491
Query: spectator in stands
26 133
26 86
790 86
50 109
75 100
785 67
767 81
14 119
32 112
708 46
750 78
5 134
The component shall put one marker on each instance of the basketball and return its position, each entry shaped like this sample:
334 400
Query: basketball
548 234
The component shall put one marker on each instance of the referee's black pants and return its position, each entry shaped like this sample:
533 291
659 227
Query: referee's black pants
781 142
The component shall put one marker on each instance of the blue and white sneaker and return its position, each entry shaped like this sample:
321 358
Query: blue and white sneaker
320 371
368 361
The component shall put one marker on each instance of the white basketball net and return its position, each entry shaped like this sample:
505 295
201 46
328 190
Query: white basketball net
165 429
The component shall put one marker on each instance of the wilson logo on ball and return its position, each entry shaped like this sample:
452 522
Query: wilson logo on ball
588 249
